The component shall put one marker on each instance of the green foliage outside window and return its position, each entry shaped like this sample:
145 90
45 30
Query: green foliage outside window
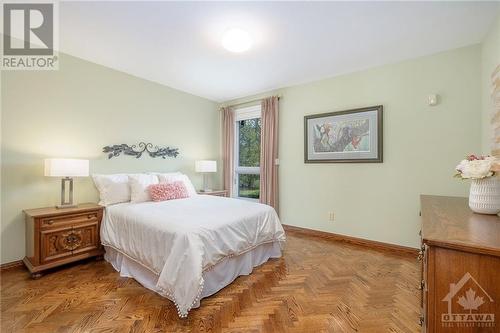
249 141
249 156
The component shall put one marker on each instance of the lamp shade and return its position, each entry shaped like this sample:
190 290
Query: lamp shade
66 167
205 166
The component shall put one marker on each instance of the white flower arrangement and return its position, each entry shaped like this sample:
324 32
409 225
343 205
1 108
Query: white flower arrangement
477 167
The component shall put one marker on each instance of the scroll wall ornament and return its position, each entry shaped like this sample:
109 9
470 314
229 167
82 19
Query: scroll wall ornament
138 150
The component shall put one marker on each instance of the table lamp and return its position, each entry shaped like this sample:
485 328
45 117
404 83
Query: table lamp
205 166
66 169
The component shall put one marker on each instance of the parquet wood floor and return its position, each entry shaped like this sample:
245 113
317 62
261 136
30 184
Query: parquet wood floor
318 286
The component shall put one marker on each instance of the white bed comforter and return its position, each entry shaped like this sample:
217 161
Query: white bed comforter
180 239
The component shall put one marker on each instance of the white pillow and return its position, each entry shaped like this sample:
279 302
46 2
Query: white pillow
112 189
169 178
139 184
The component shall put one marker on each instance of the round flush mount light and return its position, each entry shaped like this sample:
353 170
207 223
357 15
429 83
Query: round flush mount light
236 40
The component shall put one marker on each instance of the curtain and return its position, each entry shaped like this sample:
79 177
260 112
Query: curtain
269 152
495 115
228 148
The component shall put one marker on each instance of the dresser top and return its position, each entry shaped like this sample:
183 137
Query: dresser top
449 222
54 211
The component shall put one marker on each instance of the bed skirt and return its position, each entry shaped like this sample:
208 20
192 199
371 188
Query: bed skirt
219 276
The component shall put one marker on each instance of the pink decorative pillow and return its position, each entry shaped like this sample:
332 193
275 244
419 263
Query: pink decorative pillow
168 191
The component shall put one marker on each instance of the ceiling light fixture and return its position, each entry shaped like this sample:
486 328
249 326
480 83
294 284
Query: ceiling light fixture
236 40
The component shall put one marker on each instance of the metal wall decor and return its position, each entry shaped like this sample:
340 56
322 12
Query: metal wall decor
138 150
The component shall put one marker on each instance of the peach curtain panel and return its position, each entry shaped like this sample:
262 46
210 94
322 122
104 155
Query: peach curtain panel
495 118
228 148
269 152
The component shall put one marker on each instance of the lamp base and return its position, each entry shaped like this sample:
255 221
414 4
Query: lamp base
206 183
69 203
66 206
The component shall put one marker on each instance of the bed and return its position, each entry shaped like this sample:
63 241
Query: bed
190 248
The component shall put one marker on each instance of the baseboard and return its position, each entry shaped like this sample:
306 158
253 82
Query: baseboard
399 249
10 265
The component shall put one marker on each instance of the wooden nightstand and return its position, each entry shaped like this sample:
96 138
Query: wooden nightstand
218 193
59 236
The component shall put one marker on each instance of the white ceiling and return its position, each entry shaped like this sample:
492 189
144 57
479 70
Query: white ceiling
178 44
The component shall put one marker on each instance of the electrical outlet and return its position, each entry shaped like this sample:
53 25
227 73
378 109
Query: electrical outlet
331 216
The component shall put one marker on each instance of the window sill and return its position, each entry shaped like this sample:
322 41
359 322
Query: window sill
247 199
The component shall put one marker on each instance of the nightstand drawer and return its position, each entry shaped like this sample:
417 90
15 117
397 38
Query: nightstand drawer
67 220
68 241
89 234
56 244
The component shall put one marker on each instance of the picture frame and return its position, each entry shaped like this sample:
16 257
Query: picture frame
350 136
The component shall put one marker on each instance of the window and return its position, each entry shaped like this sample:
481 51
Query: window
247 153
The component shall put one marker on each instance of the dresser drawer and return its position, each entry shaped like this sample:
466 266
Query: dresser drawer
68 220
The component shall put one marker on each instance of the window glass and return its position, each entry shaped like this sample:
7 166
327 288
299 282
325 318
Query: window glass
248 186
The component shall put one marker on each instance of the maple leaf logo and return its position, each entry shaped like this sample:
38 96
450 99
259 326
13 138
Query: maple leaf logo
470 301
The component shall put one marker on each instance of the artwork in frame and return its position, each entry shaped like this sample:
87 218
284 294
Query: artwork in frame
351 136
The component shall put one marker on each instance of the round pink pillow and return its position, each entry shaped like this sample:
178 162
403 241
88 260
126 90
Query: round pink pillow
168 191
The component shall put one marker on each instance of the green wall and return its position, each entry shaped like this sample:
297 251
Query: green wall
74 112
490 59
422 145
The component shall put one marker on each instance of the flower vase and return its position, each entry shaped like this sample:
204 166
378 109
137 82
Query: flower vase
484 197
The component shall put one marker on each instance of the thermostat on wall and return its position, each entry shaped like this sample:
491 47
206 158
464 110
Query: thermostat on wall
432 99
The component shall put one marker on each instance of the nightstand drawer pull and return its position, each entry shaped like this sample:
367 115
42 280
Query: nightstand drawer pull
71 241
90 216
50 222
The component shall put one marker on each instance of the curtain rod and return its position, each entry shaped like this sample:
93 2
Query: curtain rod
252 101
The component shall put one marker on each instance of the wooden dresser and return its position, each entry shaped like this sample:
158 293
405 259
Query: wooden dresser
461 267
58 236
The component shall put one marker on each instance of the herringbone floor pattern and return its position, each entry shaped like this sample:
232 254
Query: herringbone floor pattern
318 286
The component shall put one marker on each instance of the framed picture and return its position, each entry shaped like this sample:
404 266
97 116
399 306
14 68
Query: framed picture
351 136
